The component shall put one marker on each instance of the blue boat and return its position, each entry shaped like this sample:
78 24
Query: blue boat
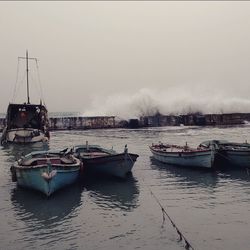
46 171
98 160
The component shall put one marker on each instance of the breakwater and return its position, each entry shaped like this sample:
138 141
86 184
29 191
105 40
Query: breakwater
76 122
195 119
158 120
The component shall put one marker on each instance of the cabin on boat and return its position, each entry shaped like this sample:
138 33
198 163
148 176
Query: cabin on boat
26 116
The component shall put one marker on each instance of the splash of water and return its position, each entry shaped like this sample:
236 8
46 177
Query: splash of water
175 101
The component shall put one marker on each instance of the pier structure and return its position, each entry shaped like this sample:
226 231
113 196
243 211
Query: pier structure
81 123
157 120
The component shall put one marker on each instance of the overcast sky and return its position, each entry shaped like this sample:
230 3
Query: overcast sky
128 57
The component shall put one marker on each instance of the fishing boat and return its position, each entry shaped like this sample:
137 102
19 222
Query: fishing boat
46 171
184 156
99 160
229 154
26 122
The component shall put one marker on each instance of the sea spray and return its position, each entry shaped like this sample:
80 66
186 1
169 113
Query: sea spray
176 100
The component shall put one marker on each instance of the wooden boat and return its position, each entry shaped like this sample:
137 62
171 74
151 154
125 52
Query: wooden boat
99 160
26 122
183 155
46 171
230 154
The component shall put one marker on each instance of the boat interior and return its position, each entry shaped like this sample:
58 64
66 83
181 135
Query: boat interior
47 159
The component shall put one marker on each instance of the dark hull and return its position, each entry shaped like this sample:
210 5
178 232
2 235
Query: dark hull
232 159
118 165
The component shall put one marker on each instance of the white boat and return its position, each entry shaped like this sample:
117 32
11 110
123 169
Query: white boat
99 160
183 155
26 122
230 154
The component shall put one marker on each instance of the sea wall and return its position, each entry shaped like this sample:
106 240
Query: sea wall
102 122
67 123
195 119
61 123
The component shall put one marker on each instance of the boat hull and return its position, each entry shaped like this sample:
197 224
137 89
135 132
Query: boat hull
230 158
46 180
118 165
25 136
201 159
229 155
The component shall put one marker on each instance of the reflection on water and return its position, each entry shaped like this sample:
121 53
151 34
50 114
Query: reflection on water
111 213
191 176
202 177
38 211
15 151
113 193
46 222
241 175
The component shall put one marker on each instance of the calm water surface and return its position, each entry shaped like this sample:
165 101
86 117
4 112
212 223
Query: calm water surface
212 209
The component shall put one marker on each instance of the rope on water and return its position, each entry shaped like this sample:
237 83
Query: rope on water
188 246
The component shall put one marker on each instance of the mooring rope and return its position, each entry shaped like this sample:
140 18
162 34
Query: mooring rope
164 212
223 156
130 158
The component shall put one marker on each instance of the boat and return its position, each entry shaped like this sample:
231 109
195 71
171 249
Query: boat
229 154
46 171
98 160
184 156
26 122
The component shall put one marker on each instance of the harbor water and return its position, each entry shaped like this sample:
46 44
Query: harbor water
210 208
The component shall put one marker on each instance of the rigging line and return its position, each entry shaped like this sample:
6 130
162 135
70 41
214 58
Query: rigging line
15 87
33 80
21 82
39 81
164 212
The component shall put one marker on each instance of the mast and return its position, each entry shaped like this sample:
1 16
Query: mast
27 70
27 58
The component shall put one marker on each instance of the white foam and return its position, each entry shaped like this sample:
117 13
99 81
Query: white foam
175 100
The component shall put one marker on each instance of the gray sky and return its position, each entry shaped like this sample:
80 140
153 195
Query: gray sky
129 57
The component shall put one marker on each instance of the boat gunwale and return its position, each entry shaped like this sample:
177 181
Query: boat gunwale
181 156
77 164
110 155
194 151
93 147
